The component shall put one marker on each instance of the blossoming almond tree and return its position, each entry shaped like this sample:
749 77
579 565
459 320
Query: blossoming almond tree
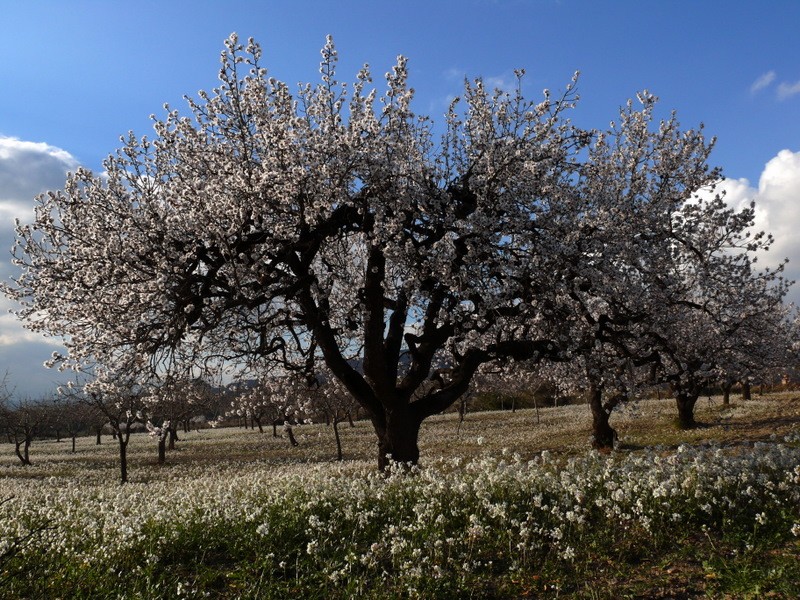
255 405
331 400
21 422
662 269
121 402
745 334
274 400
761 345
326 225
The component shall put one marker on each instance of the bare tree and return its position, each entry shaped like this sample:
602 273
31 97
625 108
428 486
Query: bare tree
22 421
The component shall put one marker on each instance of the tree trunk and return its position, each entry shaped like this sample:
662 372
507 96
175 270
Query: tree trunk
290 433
73 443
397 438
24 454
603 435
338 441
462 408
123 457
162 449
99 434
746 393
275 428
726 393
685 402
350 419
260 427
172 432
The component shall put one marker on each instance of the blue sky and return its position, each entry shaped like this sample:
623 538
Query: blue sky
77 75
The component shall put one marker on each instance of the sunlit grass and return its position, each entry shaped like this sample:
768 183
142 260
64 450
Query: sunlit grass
564 430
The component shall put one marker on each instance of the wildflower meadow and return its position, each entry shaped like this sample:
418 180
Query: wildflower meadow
235 513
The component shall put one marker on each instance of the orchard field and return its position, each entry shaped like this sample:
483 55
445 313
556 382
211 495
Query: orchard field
332 248
502 505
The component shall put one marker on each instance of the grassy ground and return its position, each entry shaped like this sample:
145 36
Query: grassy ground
563 430
239 514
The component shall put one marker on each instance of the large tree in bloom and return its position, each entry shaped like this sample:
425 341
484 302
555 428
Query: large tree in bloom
663 273
273 230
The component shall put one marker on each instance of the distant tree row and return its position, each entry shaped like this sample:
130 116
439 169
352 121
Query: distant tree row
166 410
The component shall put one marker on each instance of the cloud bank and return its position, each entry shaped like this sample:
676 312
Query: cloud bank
777 200
26 170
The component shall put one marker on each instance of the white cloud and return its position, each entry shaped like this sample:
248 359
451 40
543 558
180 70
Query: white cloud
29 168
779 195
501 82
762 82
505 82
26 170
777 210
784 90
11 333
455 78
787 90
